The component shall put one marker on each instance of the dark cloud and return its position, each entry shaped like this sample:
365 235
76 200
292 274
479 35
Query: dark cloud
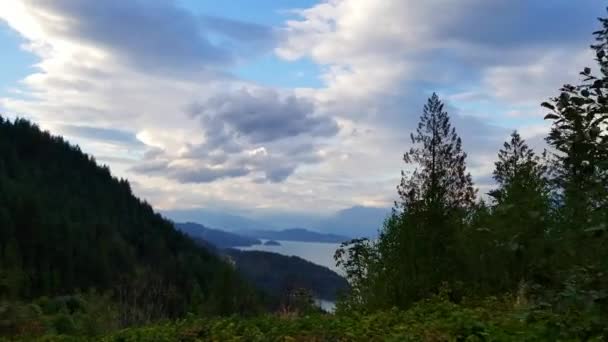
101 134
259 130
274 164
151 167
255 132
154 33
279 174
508 24
205 174
259 117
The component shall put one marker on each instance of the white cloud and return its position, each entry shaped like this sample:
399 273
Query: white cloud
142 86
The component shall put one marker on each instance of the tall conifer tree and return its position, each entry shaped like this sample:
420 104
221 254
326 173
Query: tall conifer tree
418 245
521 214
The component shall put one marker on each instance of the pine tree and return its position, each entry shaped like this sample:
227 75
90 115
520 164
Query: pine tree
418 245
518 169
521 215
440 179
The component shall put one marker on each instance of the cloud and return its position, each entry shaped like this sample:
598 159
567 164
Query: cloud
206 175
255 131
204 163
100 133
151 35
485 58
540 78
258 116
121 64
153 86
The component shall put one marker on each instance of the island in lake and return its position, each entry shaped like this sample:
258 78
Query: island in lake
271 243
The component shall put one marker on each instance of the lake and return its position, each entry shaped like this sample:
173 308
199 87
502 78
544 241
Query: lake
319 253
316 252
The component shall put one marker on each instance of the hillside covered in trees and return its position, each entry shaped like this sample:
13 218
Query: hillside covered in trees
67 225
280 274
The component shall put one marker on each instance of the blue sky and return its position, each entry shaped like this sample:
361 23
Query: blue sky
16 63
279 107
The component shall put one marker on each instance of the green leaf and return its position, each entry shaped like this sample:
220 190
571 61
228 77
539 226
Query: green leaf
547 105
579 101
551 117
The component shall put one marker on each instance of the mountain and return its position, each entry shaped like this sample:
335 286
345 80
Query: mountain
216 219
278 274
219 238
356 221
68 225
294 234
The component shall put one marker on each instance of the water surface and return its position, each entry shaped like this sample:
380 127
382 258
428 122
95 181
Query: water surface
319 253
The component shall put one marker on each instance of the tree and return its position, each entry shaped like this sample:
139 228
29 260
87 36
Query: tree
357 258
521 214
417 248
580 135
440 180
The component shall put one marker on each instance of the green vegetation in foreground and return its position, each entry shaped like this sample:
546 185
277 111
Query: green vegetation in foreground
435 319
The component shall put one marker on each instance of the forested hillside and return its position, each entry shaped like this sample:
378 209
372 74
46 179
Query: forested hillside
67 225
279 274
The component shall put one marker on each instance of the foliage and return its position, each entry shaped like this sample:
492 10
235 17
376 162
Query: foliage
433 319
357 257
513 231
580 135
86 314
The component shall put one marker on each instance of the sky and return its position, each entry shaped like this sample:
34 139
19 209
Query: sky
302 107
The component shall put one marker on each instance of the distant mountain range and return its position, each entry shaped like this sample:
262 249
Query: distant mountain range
218 238
246 238
358 221
294 234
216 219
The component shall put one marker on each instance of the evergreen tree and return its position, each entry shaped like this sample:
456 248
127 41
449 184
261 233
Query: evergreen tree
418 245
521 215
440 179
